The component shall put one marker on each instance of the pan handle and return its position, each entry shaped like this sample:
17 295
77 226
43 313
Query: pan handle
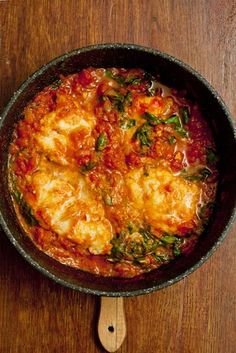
111 323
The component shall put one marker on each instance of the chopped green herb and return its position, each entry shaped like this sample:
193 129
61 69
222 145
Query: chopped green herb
172 140
173 119
117 78
169 239
140 261
120 80
133 246
25 209
138 244
151 243
133 80
101 142
118 248
120 101
184 111
132 228
173 241
17 195
56 84
87 167
127 123
211 156
128 97
176 250
109 74
143 134
161 257
181 131
152 119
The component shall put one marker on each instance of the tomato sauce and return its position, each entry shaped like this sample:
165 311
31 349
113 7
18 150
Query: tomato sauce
112 172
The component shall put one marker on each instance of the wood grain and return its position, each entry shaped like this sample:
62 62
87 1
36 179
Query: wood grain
196 315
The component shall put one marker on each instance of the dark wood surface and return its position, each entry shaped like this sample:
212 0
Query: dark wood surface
196 315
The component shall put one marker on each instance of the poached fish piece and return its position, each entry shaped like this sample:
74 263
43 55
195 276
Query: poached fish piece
56 129
63 201
166 201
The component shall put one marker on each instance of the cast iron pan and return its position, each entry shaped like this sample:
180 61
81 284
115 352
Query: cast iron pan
173 73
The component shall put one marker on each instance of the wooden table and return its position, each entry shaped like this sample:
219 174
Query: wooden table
195 315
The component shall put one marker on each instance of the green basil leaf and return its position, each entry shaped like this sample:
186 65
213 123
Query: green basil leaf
151 118
128 98
176 250
140 260
132 228
169 239
184 111
181 131
117 78
101 142
25 209
87 167
127 123
143 134
172 140
161 257
108 73
173 119
56 84
133 80
120 101
133 249
17 195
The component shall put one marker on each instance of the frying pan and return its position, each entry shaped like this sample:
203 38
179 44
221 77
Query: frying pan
171 72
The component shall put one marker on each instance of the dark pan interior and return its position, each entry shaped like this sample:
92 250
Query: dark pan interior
173 73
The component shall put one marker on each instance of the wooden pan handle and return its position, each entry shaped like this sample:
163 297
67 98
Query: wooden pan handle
111 323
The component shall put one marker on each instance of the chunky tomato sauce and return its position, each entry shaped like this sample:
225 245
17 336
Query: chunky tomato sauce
113 173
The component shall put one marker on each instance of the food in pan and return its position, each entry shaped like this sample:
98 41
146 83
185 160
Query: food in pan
112 172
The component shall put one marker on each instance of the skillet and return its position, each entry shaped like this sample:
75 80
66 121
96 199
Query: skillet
173 73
